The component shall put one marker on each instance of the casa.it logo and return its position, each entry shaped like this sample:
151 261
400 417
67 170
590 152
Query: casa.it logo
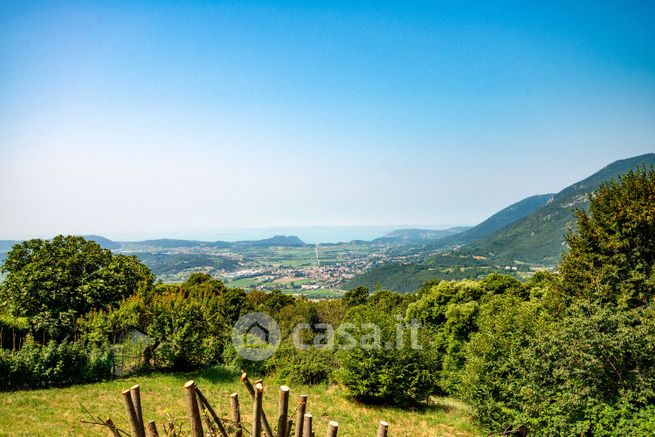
256 336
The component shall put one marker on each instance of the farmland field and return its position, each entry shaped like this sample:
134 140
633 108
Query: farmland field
59 411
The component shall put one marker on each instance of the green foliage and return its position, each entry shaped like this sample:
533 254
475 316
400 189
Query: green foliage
389 372
491 379
612 255
448 311
52 282
356 296
527 369
309 367
53 364
187 326
578 358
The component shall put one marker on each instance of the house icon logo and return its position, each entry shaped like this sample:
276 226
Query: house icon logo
256 336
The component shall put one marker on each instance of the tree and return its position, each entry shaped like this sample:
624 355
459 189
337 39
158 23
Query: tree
611 255
52 282
356 296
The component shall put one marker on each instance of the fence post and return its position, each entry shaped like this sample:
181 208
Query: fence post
300 414
135 394
267 428
210 410
112 428
236 414
307 425
131 414
152 429
333 427
192 409
382 429
257 411
283 411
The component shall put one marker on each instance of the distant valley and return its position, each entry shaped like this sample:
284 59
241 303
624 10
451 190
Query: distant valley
520 239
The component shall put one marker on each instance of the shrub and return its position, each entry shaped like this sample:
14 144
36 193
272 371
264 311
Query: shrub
390 373
312 366
53 364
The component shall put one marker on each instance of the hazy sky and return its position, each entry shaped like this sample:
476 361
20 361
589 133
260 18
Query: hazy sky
141 119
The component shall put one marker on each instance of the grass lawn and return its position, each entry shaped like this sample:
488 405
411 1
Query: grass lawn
57 411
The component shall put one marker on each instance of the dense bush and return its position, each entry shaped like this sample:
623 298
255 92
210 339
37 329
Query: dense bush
53 364
392 371
312 366
578 358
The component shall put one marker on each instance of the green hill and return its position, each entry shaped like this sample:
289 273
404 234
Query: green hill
406 236
539 237
500 220
533 233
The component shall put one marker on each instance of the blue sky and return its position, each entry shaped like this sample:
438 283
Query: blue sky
144 119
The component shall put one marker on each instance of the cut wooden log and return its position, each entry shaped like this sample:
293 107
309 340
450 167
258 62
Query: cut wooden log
192 409
257 411
307 425
137 430
283 411
332 429
236 414
383 429
300 414
210 410
289 426
135 394
267 427
112 428
152 429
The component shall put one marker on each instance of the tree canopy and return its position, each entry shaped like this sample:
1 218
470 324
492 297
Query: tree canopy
52 282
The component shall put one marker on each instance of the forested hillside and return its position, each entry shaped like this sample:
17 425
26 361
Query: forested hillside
537 239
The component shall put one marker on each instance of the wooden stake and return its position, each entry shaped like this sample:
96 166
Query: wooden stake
283 411
333 427
307 425
135 394
257 411
137 430
211 412
302 407
152 429
236 414
192 409
289 425
204 415
267 428
383 429
249 387
112 428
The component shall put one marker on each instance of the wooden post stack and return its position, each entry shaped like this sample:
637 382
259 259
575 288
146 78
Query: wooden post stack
197 403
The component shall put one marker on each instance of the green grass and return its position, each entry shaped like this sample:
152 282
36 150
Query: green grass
58 411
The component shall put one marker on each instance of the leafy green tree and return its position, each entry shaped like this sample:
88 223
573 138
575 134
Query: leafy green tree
356 296
611 255
52 282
